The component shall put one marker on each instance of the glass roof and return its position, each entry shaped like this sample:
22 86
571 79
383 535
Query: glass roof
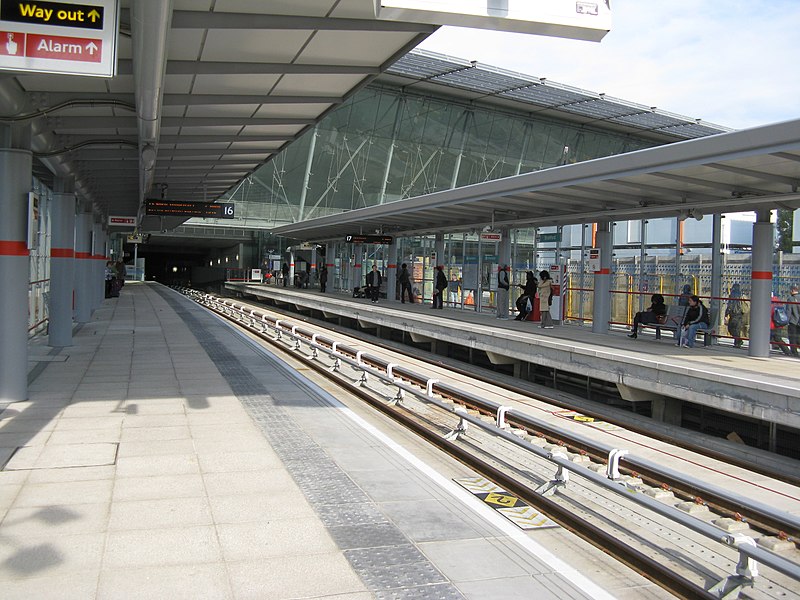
528 90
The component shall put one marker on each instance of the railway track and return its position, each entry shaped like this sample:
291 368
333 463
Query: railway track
680 532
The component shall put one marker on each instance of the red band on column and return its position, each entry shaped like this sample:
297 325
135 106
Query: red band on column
603 272
391 266
62 253
8 248
83 255
761 275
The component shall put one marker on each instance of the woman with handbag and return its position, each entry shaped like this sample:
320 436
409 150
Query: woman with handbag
545 288
657 313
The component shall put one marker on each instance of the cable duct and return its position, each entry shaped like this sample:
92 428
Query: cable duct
150 24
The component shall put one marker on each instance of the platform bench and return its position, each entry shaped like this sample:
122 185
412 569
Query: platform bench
675 316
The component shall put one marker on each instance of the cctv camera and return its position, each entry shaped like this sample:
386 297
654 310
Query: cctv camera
487 228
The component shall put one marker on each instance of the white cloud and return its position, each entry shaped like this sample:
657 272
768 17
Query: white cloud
728 62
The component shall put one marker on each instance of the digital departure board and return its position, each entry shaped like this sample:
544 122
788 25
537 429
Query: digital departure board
178 208
368 239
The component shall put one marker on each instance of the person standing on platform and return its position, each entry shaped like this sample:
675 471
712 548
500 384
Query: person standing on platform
439 286
503 285
545 299
737 314
657 313
374 280
686 292
778 319
285 273
404 279
793 308
696 318
525 302
323 279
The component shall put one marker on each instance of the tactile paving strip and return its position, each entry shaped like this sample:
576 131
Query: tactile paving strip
390 566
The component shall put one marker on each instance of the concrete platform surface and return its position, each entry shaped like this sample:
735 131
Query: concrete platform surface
163 455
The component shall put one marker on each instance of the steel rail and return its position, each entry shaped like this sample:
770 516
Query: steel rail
746 546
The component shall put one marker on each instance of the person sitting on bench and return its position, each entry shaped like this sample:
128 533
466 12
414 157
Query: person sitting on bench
696 318
657 313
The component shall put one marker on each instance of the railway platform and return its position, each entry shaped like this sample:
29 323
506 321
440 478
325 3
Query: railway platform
165 454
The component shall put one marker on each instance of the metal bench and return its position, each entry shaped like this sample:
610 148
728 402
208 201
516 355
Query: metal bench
675 316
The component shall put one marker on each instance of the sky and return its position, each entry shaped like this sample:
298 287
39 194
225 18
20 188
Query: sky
734 63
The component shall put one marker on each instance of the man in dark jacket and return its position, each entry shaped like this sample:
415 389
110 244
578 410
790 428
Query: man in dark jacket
323 278
696 318
374 281
439 285
404 279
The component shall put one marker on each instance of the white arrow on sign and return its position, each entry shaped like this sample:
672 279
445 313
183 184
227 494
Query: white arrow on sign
92 48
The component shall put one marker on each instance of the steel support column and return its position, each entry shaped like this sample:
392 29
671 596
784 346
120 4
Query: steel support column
330 262
15 183
716 274
601 310
504 259
62 263
391 272
761 285
83 262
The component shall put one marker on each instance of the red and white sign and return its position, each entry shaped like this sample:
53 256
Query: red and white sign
58 47
122 221
491 237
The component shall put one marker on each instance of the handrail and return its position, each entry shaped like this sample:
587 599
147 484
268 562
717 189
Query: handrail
745 545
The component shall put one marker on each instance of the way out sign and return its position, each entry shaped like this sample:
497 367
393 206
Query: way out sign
68 38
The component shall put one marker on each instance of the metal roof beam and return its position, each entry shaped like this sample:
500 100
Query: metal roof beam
231 137
716 185
129 122
189 67
184 19
205 99
792 182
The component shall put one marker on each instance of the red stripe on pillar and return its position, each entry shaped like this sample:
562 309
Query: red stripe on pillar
391 266
83 255
62 253
8 248
761 275
603 272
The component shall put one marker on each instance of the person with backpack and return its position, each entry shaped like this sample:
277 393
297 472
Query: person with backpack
696 318
779 319
737 315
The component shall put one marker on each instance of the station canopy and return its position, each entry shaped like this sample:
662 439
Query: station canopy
744 170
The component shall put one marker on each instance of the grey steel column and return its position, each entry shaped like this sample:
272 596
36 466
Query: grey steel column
761 285
312 278
83 261
292 256
438 247
98 263
716 274
62 264
601 310
355 267
391 272
330 261
504 259
15 183
643 296
307 175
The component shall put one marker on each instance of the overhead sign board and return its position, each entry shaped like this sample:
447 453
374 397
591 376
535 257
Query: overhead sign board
549 237
178 208
69 38
575 19
368 239
122 221
491 237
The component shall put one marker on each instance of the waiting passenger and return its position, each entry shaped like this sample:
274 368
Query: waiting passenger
737 315
696 319
686 293
793 308
778 319
374 281
439 286
323 279
545 288
525 301
657 313
285 273
404 279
